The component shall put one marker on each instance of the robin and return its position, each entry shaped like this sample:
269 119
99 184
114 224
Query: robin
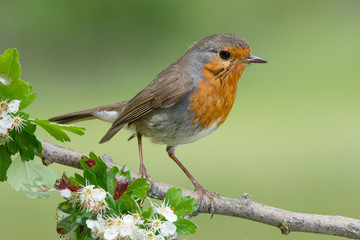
187 101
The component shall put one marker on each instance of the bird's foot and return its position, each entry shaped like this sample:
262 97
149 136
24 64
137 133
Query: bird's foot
211 195
143 173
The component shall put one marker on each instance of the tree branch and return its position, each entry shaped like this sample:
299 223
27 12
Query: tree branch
244 207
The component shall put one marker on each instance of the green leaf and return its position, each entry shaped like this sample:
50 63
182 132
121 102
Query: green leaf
80 217
126 204
125 171
91 177
66 207
82 233
19 90
173 196
5 162
9 64
26 101
148 213
111 182
80 179
66 225
186 206
95 165
56 130
5 79
14 88
32 177
25 142
112 205
184 226
138 188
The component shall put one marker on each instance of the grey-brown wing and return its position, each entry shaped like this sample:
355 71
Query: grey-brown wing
166 89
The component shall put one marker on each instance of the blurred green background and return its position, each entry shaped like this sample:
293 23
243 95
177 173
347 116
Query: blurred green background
292 139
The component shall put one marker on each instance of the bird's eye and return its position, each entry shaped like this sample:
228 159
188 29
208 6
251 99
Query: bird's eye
224 55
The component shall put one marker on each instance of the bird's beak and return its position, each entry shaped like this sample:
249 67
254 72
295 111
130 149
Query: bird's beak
254 59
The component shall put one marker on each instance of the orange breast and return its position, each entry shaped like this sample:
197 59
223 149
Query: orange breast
212 101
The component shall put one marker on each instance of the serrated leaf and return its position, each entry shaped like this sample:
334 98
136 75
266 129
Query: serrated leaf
25 142
80 217
186 206
56 130
111 182
173 196
184 226
126 204
138 188
148 213
31 176
9 64
66 225
80 179
12 87
26 101
19 90
125 171
91 177
82 233
66 207
96 165
5 162
5 79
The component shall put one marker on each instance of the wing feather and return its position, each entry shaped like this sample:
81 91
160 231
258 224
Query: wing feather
168 87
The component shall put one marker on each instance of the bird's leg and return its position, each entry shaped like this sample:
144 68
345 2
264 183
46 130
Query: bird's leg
198 188
142 170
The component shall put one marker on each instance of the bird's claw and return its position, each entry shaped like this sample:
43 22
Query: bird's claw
202 191
143 173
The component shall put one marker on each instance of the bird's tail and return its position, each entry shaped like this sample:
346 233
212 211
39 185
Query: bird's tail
106 113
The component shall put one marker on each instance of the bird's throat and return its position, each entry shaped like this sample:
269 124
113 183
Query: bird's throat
215 95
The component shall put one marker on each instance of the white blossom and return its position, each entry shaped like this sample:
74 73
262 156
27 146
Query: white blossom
116 228
66 193
93 199
137 233
13 106
97 227
149 235
99 194
167 229
6 122
18 123
167 212
5 127
155 224
3 131
159 237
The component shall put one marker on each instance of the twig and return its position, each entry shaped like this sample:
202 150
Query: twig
244 207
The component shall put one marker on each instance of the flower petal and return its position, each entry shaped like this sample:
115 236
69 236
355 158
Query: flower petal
91 224
168 229
6 122
99 194
66 193
14 106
